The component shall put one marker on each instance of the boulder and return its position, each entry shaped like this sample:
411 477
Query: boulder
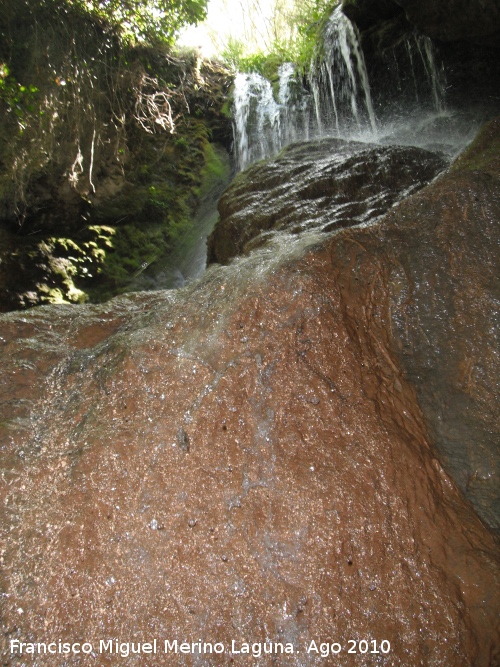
261 457
438 257
323 185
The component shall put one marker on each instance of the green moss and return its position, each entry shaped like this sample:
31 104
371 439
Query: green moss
134 249
226 109
93 245
484 152
216 169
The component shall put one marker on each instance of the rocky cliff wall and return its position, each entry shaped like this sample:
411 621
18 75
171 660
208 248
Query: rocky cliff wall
447 20
106 158
465 37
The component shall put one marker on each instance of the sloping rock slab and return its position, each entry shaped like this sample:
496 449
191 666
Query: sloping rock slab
324 185
438 258
244 460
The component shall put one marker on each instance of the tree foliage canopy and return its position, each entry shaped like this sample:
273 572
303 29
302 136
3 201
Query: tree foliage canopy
149 19
141 20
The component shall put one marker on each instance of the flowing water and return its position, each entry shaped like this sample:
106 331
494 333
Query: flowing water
339 80
246 458
337 100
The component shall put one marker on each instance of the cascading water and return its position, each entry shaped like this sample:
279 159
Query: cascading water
338 100
435 74
339 81
410 98
256 119
340 103
262 125
415 79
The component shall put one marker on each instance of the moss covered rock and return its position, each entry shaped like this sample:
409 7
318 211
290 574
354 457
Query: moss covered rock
93 201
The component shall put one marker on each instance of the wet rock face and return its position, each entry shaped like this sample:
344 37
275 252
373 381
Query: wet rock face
448 328
364 13
466 38
321 185
447 20
451 20
246 459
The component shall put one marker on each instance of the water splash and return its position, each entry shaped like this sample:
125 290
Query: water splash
338 101
256 119
343 102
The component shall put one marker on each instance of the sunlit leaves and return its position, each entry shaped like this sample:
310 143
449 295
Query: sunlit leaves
17 98
291 28
150 20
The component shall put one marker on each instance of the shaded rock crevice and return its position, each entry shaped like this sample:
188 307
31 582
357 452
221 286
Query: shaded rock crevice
463 38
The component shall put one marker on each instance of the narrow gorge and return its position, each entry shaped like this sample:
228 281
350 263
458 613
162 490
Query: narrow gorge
294 458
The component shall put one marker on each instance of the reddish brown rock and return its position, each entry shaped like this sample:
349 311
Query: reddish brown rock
247 460
438 257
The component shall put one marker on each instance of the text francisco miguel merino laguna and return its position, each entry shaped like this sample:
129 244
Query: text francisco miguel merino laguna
124 649
256 649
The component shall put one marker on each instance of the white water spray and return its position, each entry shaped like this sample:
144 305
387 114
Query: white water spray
338 101
346 101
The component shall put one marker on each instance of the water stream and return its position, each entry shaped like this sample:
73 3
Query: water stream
336 100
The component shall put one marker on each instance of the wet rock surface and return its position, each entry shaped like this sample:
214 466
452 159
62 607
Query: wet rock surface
448 20
247 459
324 185
456 40
456 19
440 258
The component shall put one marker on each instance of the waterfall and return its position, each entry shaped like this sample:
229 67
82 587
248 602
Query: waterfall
262 125
343 101
338 103
256 119
336 100
435 74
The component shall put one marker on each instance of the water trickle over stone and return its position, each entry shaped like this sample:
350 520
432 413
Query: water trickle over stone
342 100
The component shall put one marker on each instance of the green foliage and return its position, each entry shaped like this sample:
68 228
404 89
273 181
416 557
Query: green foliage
150 20
215 169
103 146
18 99
311 18
236 57
294 39
141 20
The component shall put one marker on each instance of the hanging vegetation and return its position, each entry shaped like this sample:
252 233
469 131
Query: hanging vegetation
102 145
287 31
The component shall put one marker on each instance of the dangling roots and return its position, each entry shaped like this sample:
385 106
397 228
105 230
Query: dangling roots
153 108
